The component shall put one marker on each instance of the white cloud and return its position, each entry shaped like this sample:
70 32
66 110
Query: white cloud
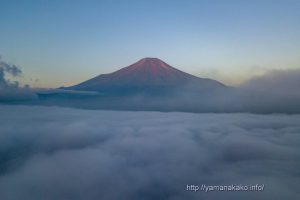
276 81
59 153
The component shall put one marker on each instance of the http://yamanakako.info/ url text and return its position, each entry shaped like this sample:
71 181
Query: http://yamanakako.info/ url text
225 188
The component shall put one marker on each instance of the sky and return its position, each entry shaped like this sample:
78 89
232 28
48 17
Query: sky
63 42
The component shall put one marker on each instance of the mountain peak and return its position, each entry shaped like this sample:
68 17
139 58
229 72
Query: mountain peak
150 62
149 59
148 68
142 75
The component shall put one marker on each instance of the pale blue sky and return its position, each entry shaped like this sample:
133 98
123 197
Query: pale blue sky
63 42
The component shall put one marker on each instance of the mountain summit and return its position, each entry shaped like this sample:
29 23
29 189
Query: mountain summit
146 75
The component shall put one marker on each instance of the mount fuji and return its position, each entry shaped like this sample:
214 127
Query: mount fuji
147 76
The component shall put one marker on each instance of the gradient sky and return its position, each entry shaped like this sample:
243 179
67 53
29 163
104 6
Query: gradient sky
63 42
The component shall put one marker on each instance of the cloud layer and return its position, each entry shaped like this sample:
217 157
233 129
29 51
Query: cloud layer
58 153
276 81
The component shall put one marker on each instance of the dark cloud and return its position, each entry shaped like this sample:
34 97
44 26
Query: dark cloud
60 153
11 90
9 69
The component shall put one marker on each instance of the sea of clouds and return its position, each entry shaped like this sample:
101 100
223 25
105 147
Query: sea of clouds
53 153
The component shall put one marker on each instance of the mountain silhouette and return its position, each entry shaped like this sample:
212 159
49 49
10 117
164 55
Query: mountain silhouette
148 75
